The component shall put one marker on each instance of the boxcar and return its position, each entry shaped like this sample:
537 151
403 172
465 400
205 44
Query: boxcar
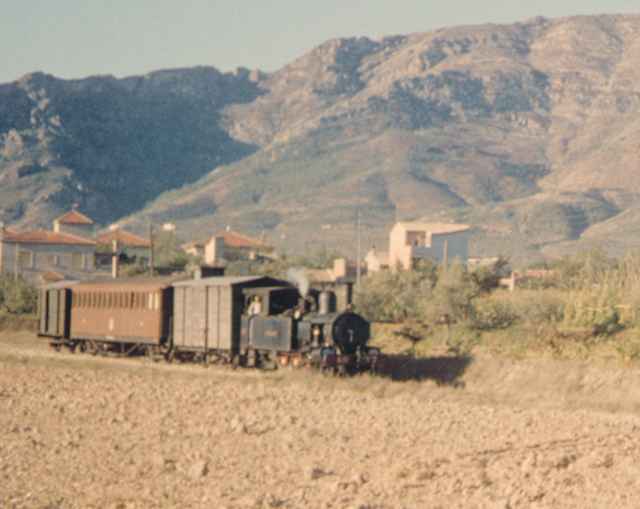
208 312
54 310
123 311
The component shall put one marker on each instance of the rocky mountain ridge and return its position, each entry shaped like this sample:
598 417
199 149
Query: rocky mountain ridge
528 131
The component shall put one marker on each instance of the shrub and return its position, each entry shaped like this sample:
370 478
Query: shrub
395 296
17 296
495 314
538 306
488 278
453 296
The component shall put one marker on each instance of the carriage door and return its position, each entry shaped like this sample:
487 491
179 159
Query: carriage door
195 315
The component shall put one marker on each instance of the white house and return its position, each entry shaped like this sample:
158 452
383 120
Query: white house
413 241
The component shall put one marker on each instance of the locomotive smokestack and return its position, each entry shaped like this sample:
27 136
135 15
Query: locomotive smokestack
298 277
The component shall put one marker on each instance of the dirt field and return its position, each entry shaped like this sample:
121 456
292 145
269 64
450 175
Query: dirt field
92 432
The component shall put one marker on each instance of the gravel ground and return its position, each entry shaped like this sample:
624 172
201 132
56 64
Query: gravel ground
85 432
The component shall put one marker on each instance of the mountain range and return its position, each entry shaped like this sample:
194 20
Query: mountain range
528 131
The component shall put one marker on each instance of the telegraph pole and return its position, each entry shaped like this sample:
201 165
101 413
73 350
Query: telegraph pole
358 261
115 262
151 249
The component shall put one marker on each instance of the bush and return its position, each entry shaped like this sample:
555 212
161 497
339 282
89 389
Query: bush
538 306
396 296
453 296
488 278
495 314
17 296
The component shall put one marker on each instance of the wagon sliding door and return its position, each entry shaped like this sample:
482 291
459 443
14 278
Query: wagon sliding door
190 320
220 323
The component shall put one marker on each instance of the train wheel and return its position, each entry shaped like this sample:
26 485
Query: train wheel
92 348
170 355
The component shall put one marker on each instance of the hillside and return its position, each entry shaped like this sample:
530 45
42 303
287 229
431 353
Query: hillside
529 131
111 145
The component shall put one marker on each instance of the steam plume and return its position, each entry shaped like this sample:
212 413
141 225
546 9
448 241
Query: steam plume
298 277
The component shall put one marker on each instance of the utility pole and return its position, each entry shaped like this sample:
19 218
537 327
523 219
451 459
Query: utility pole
358 261
16 261
445 255
151 250
115 269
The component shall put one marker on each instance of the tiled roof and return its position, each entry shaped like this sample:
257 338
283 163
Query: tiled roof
51 276
74 217
434 228
231 239
46 237
124 238
235 239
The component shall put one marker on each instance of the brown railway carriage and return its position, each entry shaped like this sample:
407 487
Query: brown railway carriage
137 311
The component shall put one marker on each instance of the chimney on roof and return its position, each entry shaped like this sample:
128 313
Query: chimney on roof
114 227
75 206
228 228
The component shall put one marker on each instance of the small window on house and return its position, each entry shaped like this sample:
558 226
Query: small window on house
77 261
25 259
53 260
156 301
150 301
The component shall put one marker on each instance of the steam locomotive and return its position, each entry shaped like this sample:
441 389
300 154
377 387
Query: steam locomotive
251 321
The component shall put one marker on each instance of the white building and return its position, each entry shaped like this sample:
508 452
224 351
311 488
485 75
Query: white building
413 241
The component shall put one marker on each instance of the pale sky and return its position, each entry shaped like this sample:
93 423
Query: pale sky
78 38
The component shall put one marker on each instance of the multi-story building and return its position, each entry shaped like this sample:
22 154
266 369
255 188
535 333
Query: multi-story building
413 241
39 254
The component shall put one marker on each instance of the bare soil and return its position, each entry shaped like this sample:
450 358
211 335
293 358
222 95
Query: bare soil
81 432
